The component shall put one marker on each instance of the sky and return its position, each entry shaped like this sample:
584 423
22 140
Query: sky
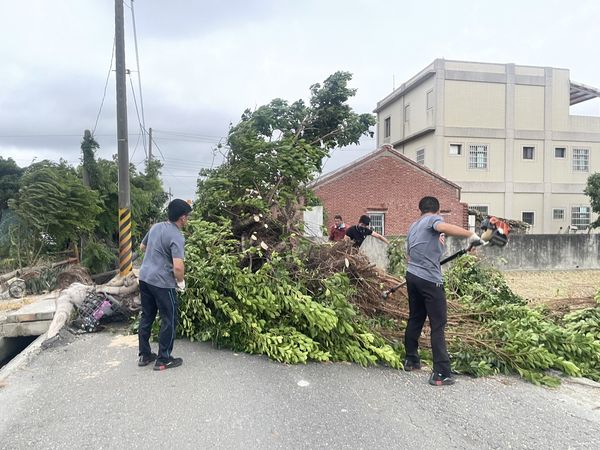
201 64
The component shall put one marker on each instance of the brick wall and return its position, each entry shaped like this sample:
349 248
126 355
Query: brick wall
391 185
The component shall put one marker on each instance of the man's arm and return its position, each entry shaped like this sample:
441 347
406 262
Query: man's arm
375 234
144 243
178 269
453 230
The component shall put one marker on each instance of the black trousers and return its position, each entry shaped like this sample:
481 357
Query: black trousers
165 302
427 299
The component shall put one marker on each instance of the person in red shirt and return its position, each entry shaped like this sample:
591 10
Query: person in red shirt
338 229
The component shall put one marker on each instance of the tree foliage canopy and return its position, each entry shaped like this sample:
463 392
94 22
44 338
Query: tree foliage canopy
10 175
276 150
592 190
54 203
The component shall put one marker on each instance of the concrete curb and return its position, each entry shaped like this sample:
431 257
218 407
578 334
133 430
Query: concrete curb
22 358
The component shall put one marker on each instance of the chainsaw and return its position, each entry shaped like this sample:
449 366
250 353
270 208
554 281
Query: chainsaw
494 233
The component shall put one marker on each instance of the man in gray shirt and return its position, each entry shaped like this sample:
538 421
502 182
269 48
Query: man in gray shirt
161 274
426 298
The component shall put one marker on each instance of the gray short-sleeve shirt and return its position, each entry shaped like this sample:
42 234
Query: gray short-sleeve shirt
163 242
424 249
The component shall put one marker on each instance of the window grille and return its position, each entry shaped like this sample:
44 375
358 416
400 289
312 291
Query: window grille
581 159
580 216
478 156
378 222
483 209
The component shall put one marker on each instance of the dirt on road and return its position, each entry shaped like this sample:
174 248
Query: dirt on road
573 289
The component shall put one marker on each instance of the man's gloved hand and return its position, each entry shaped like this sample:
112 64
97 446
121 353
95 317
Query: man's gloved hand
474 240
181 285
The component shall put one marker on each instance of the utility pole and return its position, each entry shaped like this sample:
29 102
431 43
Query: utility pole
125 253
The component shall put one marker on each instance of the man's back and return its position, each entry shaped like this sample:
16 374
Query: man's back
163 242
424 249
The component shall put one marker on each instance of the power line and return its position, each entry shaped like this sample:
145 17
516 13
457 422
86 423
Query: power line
138 114
187 133
137 59
112 56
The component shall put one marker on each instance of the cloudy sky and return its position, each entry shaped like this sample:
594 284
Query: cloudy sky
202 63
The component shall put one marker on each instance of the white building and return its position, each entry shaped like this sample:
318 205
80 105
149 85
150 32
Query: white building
502 132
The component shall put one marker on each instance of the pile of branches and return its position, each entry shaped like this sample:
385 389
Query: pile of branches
324 302
254 285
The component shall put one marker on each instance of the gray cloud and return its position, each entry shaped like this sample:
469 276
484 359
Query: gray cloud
203 63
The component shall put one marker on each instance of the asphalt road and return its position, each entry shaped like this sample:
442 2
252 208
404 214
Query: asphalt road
91 394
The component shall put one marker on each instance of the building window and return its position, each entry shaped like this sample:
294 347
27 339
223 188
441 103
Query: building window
421 156
407 113
377 222
528 217
455 149
580 216
581 159
558 214
430 99
528 152
478 156
387 127
483 209
560 152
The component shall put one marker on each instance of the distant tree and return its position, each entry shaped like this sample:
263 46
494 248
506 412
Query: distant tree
54 203
592 190
147 198
88 160
10 175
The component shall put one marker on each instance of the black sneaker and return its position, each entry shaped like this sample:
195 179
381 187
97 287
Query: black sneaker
409 365
169 364
146 359
437 379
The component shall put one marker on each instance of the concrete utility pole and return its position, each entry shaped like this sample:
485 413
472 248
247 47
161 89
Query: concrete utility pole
125 253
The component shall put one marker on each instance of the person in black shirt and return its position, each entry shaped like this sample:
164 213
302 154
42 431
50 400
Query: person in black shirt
358 233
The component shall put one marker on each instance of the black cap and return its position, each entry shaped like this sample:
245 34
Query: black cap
178 208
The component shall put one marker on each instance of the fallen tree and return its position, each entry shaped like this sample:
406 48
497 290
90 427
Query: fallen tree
84 305
255 285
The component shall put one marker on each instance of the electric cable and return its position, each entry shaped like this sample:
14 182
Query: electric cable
112 57
139 77
137 112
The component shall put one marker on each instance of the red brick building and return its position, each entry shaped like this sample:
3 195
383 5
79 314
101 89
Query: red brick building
387 186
